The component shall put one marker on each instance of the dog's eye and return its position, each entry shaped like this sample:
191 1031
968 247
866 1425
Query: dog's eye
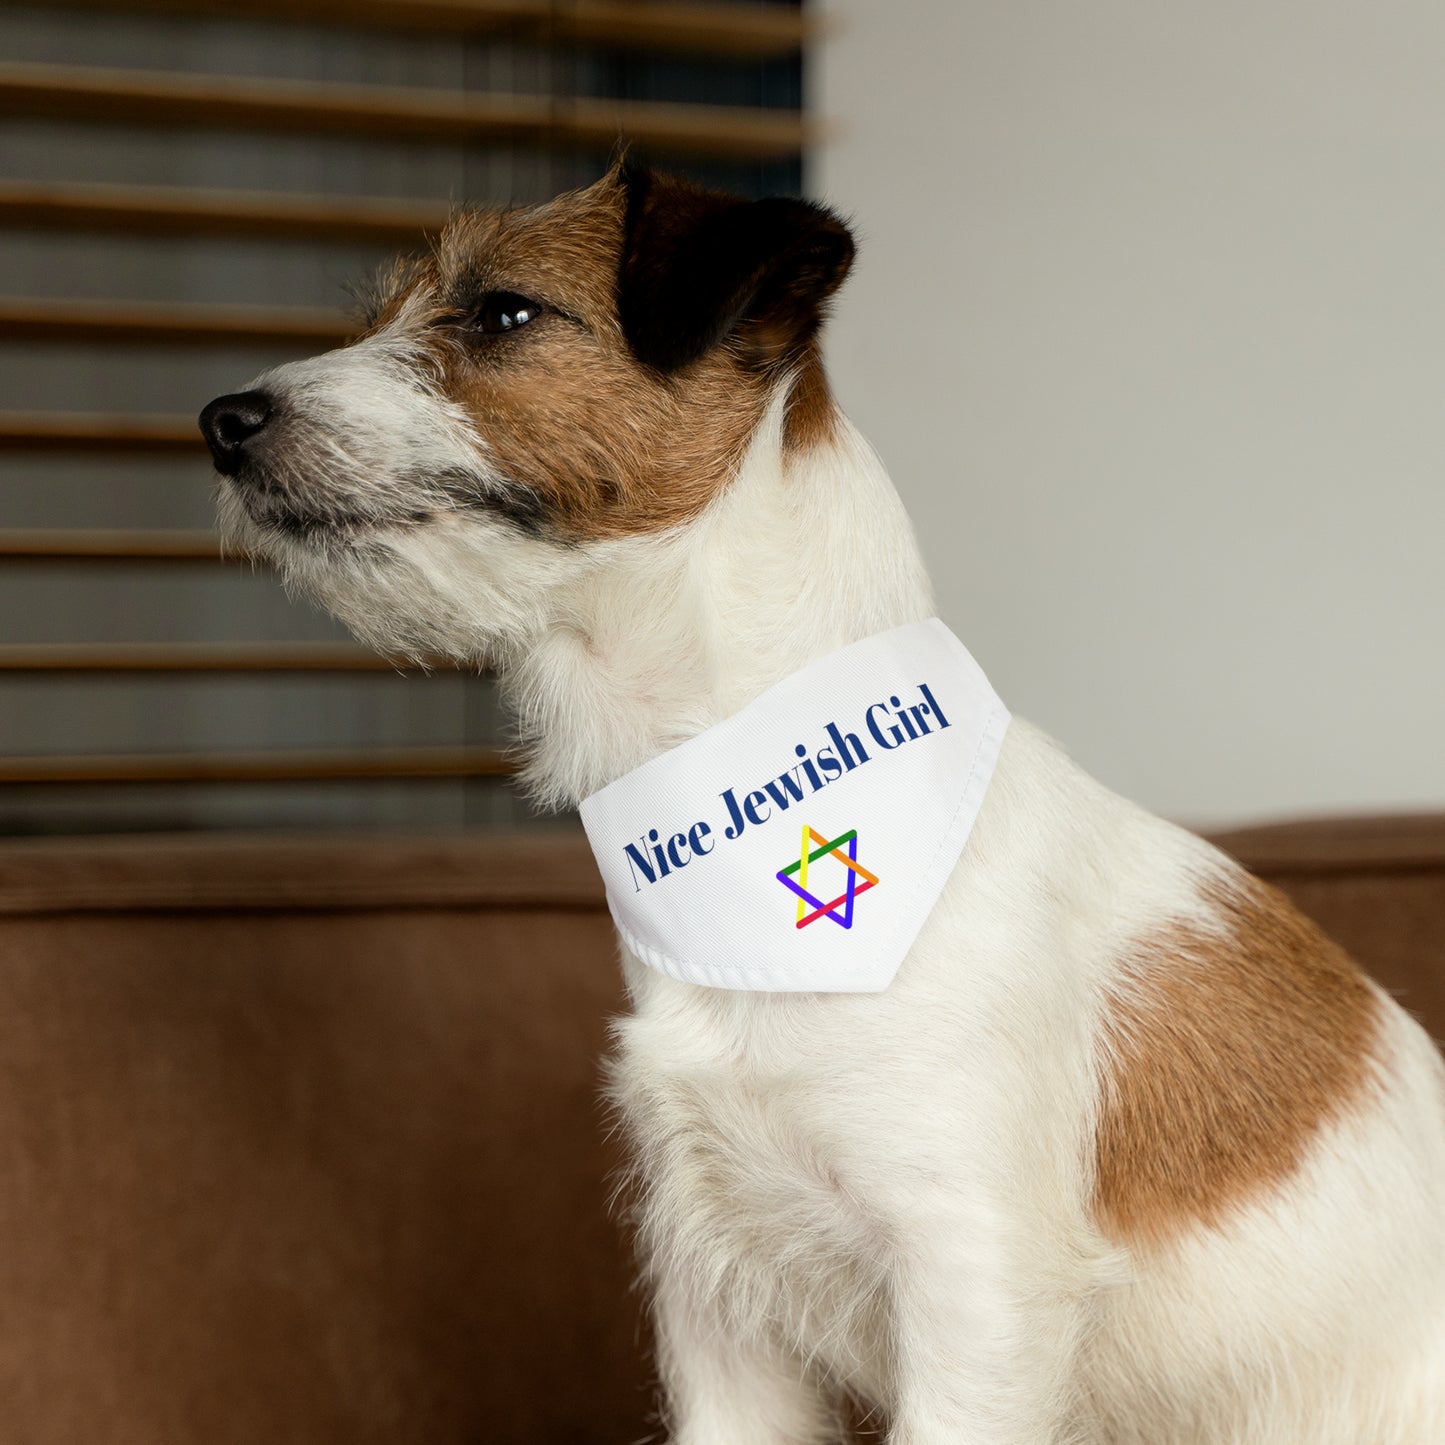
504 311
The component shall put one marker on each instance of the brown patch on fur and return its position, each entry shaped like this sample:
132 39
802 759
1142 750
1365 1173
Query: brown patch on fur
607 446
1227 1052
603 444
812 417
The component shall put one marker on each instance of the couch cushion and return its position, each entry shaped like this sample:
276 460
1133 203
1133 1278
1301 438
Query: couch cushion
303 1142
303 1139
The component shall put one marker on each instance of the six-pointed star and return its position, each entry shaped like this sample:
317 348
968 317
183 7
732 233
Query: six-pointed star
856 871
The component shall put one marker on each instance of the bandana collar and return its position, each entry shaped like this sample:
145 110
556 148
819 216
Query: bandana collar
801 844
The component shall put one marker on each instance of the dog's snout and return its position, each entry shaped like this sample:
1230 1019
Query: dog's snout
229 422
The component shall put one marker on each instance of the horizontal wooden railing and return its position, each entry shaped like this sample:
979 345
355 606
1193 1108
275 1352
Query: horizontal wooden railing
711 29
94 322
197 657
328 765
95 544
112 97
220 102
177 211
86 431
100 432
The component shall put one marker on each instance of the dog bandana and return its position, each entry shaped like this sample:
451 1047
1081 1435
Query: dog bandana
801 844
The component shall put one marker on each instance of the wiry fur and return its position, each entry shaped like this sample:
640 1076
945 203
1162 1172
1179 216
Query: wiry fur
895 1196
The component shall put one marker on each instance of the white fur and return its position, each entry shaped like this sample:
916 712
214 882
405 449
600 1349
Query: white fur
890 1194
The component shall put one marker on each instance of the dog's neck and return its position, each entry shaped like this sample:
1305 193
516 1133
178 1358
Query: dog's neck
805 552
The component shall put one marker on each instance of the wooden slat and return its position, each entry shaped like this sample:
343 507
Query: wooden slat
742 31
550 868
177 211
712 29
75 544
81 431
219 102
171 323
259 767
132 657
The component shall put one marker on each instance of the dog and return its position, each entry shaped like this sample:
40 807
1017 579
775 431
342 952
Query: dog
1127 1152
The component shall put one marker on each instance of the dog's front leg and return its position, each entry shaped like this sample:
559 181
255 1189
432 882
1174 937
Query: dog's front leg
984 1350
721 1387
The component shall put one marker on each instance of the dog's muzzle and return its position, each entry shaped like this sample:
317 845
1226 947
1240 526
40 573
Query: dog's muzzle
230 422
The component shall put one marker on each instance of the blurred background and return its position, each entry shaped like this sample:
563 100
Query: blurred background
187 191
1149 324
1146 323
301 1007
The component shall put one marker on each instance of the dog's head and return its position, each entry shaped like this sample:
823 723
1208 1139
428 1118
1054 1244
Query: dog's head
547 383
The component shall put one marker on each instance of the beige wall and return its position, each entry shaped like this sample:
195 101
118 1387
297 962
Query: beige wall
1149 324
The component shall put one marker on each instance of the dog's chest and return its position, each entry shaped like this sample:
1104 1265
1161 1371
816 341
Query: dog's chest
745 1183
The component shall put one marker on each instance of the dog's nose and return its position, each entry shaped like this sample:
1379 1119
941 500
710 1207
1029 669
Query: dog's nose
229 422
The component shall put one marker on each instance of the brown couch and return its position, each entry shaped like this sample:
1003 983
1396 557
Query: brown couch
301 1138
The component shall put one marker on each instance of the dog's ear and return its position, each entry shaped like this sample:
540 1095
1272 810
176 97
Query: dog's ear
699 266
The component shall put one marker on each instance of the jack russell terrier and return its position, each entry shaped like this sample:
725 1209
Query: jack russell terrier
1103 1142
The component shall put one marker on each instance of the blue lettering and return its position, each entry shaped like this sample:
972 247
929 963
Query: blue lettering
808 768
841 742
932 705
786 789
677 852
904 718
734 812
879 736
637 861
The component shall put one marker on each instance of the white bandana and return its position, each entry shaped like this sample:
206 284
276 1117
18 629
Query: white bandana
801 844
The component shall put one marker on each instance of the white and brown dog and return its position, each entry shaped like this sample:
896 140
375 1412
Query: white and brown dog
1128 1152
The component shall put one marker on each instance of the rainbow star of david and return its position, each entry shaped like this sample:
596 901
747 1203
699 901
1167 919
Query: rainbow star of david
860 880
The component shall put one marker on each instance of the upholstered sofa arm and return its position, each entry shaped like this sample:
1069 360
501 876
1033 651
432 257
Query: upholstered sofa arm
302 1139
